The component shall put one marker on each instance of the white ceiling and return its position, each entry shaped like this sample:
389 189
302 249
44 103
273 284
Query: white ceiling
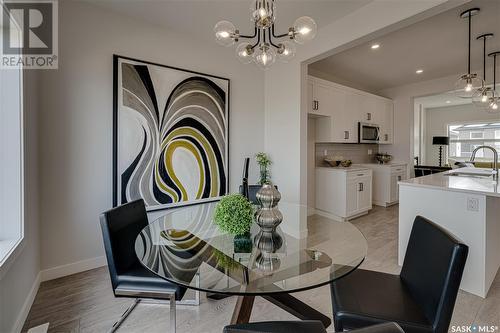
198 18
438 45
441 100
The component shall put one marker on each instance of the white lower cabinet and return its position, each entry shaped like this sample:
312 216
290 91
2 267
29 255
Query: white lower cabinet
385 183
342 194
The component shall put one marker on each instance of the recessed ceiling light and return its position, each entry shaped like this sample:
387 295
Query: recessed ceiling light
448 102
419 71
375 46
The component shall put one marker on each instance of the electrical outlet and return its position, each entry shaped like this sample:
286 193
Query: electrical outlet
473 204
325 152
370 151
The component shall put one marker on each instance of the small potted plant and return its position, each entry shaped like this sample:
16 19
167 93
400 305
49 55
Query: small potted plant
234 214
264 162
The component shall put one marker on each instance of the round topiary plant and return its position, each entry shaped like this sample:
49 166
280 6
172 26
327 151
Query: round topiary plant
234 214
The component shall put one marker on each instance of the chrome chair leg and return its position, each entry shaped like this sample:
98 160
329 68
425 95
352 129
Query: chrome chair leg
124 315
172 303
172 315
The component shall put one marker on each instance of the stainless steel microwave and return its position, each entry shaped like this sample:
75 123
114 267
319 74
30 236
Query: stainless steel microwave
368 133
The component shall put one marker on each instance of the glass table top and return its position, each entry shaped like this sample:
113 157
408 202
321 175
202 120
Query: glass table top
184 246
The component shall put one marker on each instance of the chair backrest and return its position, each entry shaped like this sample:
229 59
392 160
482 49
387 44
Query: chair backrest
120 227
432 270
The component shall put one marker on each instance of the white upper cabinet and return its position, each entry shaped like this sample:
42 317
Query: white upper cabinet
339 109
321 100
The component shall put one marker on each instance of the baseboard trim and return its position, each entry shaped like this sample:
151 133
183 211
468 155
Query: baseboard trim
73 268
23 314
311 211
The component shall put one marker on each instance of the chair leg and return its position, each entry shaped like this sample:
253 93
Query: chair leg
124 315
172 314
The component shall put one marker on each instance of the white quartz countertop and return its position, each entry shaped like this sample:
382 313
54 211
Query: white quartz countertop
440 181
342 169
378 165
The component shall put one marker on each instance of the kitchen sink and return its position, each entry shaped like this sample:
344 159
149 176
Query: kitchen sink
470 172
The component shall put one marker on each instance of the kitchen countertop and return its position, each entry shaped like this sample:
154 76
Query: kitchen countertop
390 164
485 186
340 168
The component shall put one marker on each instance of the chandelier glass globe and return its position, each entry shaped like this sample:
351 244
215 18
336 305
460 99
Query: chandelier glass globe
262 13
286 51
304 29
265 56
244 52
225 32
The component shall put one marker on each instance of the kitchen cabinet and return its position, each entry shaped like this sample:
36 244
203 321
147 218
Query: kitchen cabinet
385 182
339 109
343 194
320 98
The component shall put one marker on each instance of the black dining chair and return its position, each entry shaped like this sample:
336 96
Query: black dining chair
120 227
305 326
420 299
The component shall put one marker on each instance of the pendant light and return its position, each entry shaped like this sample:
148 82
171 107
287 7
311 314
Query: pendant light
468 83
481 97
494 104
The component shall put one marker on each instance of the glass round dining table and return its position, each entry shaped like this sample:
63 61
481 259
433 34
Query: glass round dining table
184 246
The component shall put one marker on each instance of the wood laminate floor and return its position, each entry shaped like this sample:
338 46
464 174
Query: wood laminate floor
84 302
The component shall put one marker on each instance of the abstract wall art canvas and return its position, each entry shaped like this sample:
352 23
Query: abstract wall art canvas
170 138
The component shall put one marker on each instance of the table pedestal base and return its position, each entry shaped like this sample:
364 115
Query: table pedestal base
244 305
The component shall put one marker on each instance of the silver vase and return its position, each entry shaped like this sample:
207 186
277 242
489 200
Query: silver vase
268 217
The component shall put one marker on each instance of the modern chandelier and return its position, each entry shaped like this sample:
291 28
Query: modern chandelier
264 46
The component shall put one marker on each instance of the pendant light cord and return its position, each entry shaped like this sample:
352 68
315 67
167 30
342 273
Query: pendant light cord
470 30
494 72
484 60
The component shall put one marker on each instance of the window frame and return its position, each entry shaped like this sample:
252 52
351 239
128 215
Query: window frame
470 140
11 247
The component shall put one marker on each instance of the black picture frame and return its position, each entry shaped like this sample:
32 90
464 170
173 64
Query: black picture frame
115 176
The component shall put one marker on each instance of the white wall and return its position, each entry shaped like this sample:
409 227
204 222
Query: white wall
76 121
19 275
286 94
404 107
437 120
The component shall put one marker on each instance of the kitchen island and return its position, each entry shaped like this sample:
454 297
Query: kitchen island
469 208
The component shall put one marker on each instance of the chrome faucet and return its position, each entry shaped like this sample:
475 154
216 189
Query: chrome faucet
495 159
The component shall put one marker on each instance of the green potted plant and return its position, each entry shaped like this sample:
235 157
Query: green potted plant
264 162
234 214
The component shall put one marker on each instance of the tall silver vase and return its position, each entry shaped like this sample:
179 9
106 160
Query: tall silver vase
268 217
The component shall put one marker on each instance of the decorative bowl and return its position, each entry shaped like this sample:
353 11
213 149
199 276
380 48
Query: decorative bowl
383 158
332 163
346 163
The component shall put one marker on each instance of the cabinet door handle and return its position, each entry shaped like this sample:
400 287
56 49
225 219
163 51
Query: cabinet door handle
368 116
346 135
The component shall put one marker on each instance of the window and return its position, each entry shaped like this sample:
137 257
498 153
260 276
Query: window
11 157
476 135
464 138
